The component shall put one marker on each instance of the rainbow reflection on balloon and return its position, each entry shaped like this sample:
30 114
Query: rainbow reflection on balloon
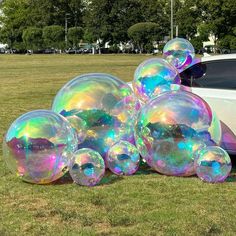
106 104
79 125
179 52
213 164
171 128
87 167
173 87
123 158
151 75
38 146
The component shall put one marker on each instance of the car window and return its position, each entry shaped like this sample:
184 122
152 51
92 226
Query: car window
211 74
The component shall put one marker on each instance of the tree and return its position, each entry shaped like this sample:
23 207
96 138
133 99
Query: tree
234 31
13 18
233 43
75 34
123 14
17 15
54 36
32 37
203 31
197 43
144 34
228 42
108 20
219 17
47 12
188 17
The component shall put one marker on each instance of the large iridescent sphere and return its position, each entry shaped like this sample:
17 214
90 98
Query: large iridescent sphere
79 125
179 52
123 158
105 103
87 167
173 87
151 76
171 128
213 164
39 145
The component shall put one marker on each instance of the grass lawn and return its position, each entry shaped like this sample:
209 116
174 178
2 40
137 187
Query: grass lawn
144 204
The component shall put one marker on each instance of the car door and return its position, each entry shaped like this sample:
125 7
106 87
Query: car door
215 81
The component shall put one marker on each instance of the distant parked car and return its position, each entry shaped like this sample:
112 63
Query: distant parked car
227 51
10 51
87 50
49 51
78 51
214 79
74 51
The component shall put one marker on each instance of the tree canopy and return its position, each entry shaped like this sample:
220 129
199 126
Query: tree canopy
109 21
143 34
53 36
32 38
75 34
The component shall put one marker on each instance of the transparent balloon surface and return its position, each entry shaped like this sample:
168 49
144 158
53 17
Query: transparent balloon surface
123 158
173 87
38 146
106 104
151 75
79 125
87 167
179 52
171 127
213 164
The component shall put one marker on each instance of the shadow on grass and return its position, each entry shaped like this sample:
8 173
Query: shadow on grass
110 178
144 169
66 179
232 177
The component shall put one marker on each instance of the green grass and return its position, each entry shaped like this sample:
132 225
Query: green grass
144 204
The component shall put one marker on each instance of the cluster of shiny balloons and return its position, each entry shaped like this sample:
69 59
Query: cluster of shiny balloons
90 127
98 121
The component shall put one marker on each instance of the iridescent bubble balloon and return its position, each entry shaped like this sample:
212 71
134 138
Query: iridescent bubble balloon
123 158
87 167
106 104
185 67
179 52
38 146
151 75
171 127
79 125
173 87
213 164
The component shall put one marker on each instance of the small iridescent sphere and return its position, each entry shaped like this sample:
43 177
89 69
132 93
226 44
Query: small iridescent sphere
151 75
171 127
179 52
123 158
39 145
106 104
213 164
87 167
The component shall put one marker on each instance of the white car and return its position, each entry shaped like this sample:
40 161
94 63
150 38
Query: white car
214 79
